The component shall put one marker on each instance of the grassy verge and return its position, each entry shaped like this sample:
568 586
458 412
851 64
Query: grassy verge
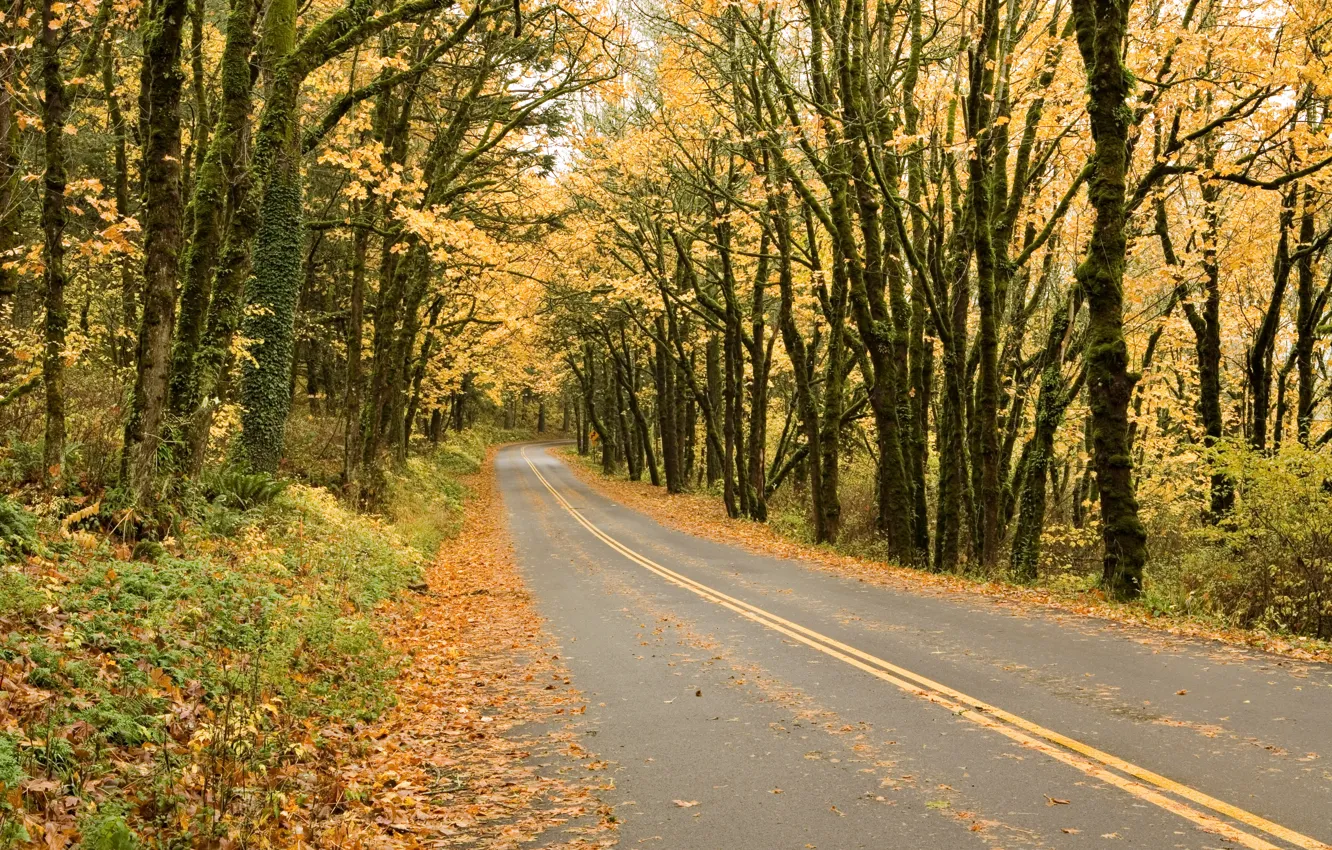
186 693
703 514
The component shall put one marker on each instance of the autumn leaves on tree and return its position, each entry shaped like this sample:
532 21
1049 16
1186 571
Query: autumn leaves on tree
983 286
268 149
1013 254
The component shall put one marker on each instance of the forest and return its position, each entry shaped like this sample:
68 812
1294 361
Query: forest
1031 292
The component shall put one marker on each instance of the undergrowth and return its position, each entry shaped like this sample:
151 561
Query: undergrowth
182 694
424 499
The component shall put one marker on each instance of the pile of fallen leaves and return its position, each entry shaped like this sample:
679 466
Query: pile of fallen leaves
475 753
705 515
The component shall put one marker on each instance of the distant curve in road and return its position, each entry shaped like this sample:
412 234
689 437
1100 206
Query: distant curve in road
748 701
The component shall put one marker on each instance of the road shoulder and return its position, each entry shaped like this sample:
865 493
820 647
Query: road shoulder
477 751
704 516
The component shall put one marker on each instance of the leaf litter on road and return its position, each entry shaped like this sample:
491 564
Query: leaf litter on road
475 753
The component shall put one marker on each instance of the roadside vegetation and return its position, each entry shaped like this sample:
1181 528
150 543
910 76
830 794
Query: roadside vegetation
264 269
194 690
1178 599
1033 291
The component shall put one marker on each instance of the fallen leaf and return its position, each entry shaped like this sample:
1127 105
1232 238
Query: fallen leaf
686 804
1055 801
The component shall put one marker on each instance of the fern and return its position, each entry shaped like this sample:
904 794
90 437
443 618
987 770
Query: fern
243 490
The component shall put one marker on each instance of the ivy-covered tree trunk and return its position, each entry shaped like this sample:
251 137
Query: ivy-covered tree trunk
1053 400
212 189
270 320
54 109
1101 32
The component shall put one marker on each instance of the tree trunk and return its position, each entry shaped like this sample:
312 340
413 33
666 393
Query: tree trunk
1207 339
209 204
1053 400
265 390
713 369
667 413
54 110
9 161
1306 322
1101 32
1259 362
162 242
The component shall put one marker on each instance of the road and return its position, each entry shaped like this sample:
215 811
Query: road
747 701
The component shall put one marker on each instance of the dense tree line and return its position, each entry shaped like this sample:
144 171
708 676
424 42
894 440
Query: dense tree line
207 205
1010 254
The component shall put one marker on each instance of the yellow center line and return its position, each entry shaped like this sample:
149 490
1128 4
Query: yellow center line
1070 751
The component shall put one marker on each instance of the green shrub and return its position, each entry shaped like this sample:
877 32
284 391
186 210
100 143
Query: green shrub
424 499
1268 564
21 462
107 830
18 596
11 776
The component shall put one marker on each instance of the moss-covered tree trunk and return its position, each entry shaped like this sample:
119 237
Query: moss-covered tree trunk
1308 315
1055 396
1206 326
668 414
212 189
9 163
54 110
760 367
920 353
712 368
1258 364
351 407
978 114
163 238
797 351
1101 32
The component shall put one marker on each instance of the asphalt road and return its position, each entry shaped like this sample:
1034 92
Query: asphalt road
745 701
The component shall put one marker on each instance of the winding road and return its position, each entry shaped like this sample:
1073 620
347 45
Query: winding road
745 701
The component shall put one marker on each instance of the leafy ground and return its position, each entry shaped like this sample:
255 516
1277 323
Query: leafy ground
474 753
286 672
704 514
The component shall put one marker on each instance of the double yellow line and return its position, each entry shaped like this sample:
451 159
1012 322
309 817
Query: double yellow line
1142 783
